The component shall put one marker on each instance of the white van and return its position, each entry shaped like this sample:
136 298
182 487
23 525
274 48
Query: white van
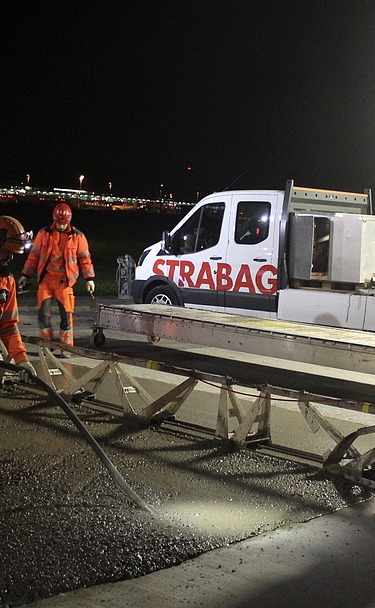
273 254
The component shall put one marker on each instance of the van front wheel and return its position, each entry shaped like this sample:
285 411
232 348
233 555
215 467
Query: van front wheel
161 295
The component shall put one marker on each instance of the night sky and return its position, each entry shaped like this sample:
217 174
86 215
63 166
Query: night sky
135 92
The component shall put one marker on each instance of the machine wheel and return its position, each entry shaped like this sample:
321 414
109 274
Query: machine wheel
153 339
162 295
97 339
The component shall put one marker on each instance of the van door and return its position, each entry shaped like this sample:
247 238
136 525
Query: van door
197 246
251 256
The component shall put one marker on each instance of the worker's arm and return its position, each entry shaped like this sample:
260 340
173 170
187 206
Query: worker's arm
9 332
84 258
30 267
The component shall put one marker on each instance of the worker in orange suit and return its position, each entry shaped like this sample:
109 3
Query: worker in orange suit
58 253
13 239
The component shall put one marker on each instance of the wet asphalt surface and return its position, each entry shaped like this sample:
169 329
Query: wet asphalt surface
65 524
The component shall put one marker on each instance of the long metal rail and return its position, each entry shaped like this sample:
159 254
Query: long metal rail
336 348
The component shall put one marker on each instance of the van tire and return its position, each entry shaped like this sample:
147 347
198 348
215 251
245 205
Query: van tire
97 339
162 295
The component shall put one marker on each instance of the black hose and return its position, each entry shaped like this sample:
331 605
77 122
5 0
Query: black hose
87 435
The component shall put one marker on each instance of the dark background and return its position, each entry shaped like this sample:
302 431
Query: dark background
135 92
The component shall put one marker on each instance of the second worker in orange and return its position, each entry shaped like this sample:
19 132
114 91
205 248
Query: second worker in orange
58 253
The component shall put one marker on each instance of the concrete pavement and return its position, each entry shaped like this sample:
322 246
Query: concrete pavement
323 563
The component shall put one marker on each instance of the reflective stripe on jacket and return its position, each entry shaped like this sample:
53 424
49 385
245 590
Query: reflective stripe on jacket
9 332
76 255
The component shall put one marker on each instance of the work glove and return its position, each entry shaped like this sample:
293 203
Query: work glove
23 283
26 372
90 286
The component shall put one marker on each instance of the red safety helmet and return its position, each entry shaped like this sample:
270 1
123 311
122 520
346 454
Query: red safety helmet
62 214
13 236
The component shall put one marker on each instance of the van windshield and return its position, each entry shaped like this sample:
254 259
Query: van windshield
201 231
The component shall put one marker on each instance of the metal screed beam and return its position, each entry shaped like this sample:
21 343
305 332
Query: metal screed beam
248 410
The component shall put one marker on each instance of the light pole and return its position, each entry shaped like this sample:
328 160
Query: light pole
27 178
110 187
161 190
81 178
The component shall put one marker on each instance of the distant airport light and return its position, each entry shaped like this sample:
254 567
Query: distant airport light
83 198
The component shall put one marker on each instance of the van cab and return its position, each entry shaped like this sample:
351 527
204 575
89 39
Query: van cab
222 256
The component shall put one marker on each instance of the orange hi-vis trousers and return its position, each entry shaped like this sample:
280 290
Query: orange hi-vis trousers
54 287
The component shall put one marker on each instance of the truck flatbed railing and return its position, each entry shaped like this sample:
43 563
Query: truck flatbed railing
316 200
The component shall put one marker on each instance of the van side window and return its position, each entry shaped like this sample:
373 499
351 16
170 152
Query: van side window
201 231
252 222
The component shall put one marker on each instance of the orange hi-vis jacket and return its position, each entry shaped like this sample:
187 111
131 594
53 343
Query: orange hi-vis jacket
75 254
9 332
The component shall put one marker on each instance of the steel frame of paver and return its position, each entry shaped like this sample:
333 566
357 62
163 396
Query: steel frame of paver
250 426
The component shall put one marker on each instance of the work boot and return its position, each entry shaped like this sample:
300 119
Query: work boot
46 334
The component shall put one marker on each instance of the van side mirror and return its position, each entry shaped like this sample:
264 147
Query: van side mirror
166 242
